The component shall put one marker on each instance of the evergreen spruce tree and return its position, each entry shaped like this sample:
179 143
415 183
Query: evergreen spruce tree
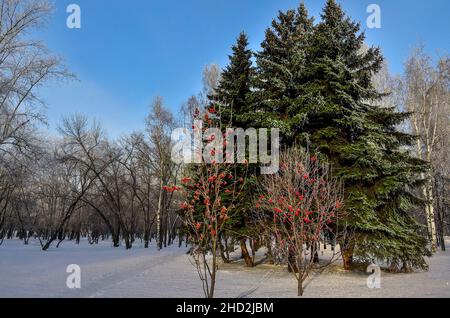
234 89
403 244
280 67
361 140
267 99
232 101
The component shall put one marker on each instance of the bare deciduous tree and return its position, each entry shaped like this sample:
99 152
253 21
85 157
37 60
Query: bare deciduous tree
25 65
160 124
304 202
427 96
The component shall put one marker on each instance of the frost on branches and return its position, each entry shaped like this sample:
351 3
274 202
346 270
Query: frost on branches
302 205
209 192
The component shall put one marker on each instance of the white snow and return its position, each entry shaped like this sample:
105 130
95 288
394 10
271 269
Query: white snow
26 271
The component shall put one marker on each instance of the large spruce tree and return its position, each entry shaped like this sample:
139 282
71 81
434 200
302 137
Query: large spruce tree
280 66
362 141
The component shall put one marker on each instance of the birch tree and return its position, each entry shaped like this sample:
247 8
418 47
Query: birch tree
426 96
160 123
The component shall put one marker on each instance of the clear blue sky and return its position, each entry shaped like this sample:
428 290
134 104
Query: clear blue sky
129 51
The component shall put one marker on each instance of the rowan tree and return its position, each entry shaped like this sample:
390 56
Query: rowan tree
305 203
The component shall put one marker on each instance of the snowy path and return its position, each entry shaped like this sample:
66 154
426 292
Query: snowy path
25 271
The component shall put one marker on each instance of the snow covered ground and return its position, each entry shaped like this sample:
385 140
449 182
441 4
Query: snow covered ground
26 271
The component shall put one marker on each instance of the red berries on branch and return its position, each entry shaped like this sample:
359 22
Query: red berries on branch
278 210
185 206
212 179
171 189
186 180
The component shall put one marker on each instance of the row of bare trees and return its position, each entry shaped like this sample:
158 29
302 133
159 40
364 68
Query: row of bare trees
79 183
84 185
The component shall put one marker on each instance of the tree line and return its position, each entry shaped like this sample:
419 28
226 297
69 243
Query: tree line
79 183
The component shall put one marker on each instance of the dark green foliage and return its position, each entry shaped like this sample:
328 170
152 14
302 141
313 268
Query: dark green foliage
280 71
361 140
233 93
233 100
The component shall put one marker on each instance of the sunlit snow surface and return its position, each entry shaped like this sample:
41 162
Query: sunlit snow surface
26 271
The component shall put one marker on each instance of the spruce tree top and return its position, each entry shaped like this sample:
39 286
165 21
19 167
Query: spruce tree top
234 88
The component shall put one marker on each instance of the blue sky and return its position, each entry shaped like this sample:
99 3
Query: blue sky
129 51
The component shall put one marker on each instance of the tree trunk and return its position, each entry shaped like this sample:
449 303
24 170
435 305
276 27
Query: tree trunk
406 268
316 258
213 276
116 239
146 238
222 252
128 240
441 234
440 195
270 258
227 248
158 217
347 255
292 261
245 254
431 218
300 288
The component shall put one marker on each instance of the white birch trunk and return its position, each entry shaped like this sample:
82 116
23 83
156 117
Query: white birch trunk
158 216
